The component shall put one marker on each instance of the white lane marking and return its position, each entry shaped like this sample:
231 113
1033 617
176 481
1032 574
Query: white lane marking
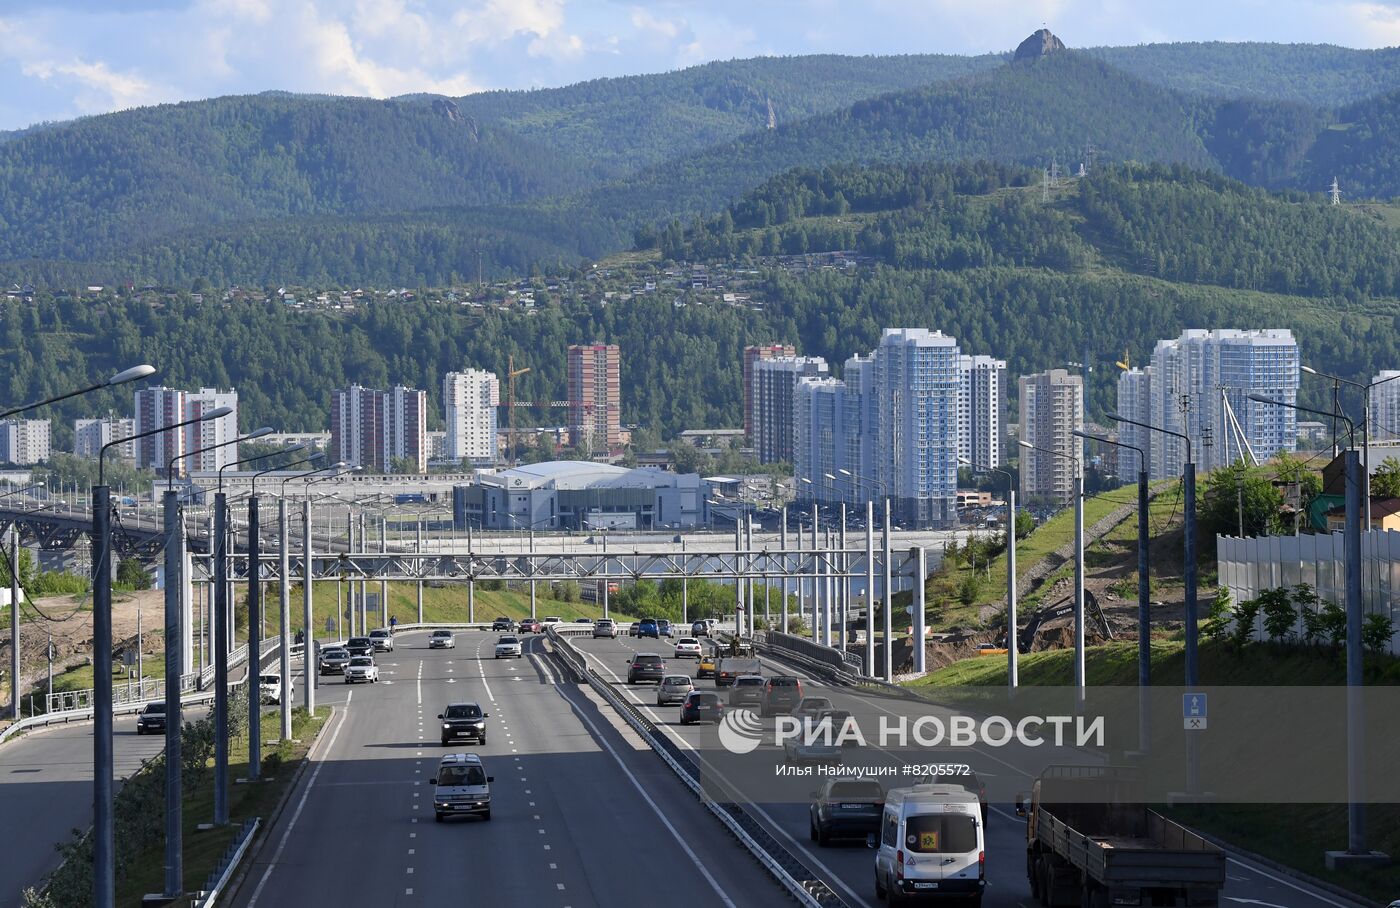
775 826
694 859
408 892
296 815
1278 879
420 684
410 870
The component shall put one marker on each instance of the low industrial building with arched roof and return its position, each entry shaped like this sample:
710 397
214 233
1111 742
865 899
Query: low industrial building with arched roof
580 495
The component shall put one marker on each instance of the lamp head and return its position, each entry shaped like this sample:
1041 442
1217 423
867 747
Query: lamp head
964 461
216 413
258 433
132 374
1115 417
1309 369
1025 444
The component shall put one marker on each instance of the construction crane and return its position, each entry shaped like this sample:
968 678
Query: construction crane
1125 363
511 373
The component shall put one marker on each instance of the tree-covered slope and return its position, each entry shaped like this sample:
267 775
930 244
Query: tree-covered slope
87 188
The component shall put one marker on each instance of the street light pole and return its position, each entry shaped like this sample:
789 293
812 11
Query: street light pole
1079 667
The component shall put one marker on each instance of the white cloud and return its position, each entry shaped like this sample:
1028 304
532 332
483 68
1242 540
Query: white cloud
1377 23
644 21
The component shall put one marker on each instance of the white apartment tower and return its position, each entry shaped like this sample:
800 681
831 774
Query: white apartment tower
981 393
1052 407
1135 402
774 393
470 399
25 441
1196 374
161 407
915 396
89 435
819 449
1384 412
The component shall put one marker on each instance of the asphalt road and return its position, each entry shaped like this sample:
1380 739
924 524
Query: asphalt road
46 792
583 813
849 867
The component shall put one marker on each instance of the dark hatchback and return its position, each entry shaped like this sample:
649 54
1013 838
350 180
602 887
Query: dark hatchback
702 706
151 719
463 721
360 646
846 808
781 694
501 624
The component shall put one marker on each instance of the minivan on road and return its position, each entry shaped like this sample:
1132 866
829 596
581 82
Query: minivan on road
930 845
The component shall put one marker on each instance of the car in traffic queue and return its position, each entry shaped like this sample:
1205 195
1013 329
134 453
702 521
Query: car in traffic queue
502 623
808 709
529 626
647 627
442 639
463 721
383 640
359 646
461 787
333 660
673 689
508 646
687 648
846 808
747 691
645 667
702 706
931 844
551 620
705 667
361 668
699 629
663 627
151 718
605 627
781 694
270 689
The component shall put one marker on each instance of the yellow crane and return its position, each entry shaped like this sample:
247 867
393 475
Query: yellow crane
1126 364
511 372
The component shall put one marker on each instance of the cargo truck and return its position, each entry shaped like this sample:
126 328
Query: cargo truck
1091 842
731 667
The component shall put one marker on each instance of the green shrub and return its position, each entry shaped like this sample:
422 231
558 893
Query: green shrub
1245 615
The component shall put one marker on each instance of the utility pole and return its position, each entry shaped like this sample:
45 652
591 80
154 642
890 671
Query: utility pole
255 635
174 658
221 648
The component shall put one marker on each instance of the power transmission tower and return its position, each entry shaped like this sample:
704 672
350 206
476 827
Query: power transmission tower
1335 191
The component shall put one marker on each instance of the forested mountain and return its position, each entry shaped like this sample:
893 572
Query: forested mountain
1322 75
1125 256
281 188
104 184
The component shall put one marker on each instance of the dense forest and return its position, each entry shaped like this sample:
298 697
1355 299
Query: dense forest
423 189
1119 259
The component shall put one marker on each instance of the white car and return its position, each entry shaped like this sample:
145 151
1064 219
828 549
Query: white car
508 646
442 640
687 648
361 668
270 688
605 628
551 620
383 640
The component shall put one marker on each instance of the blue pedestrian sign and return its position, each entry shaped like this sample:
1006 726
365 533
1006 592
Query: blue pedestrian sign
1193 711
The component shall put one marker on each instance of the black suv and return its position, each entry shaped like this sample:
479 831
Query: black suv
503 624
152 718
645 667
846 807
463 720
780 695
360 646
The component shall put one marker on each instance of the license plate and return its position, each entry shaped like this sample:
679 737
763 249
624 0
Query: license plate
925 885
854 806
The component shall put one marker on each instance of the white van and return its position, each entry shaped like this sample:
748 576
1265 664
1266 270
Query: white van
931 845
461 786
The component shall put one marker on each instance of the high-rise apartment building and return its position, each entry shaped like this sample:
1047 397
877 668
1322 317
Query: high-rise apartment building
915 395
752 354
161 407
470 399
595 397
373 429
1135 402
981 396
1384 411
1201 384
859 378
774 403
819 448
89 435
25 441
1052 407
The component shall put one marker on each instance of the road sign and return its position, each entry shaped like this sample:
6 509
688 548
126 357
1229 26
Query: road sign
1193 712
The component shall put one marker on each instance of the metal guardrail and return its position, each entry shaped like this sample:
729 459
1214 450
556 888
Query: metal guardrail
219 879
151 688
794 876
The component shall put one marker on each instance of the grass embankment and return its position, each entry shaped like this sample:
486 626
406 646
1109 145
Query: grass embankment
1295 835
944 590
203 849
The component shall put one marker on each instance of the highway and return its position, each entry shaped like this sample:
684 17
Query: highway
583 814
848 866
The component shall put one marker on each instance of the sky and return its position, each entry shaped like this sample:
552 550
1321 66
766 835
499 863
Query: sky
61 59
